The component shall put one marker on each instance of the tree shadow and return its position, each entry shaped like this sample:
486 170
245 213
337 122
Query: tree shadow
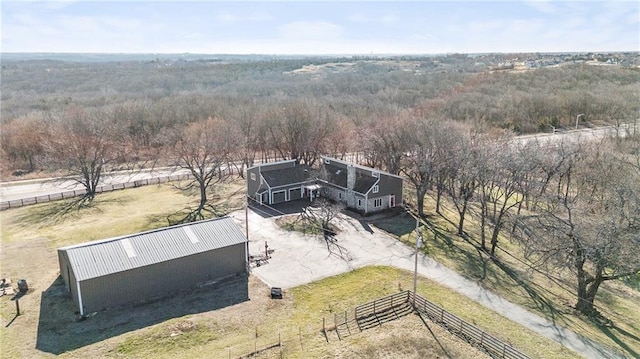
540 301
276 210
609 333
398 225
55 212
60 330
433 334
50 212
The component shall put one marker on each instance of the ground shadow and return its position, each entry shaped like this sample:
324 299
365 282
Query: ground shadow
609 332
396 224
433 335
280 209
60 330
540 300
365 225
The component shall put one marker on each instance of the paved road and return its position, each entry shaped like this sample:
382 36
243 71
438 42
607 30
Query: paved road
586 134
10 191
299 259
17 190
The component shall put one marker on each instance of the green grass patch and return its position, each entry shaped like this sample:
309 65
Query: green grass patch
295 223
296 321
169 338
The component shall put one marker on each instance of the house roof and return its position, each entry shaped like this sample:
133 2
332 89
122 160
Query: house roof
286 176
357 166
338 176
99 258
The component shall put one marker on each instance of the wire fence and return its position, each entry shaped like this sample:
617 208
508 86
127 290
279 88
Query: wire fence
282 343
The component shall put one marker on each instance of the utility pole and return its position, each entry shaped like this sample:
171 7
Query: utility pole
246 229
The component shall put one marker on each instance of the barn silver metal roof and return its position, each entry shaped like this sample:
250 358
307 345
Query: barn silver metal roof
103 257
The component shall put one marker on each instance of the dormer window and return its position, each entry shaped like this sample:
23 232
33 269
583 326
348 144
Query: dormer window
375 189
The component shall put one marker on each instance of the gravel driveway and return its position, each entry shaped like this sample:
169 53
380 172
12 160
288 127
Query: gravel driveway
298 259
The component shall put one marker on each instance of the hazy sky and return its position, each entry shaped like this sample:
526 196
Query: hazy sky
319 27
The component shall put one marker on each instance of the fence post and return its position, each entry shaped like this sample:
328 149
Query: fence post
300 337
504 348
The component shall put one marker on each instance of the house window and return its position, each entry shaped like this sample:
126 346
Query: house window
359 203
377 202
253 176
376 189
339 195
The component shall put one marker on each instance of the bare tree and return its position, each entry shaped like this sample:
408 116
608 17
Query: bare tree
81 144
502 174
462 177
21 141
203 149
298 131
419 161
245 122
590 224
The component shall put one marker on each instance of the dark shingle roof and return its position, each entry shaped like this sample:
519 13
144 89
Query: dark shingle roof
338 176
287 176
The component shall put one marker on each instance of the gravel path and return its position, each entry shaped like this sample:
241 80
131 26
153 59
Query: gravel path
299 259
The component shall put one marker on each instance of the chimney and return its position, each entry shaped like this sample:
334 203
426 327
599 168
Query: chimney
351 177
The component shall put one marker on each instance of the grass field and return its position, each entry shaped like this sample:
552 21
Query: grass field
31 234
514 280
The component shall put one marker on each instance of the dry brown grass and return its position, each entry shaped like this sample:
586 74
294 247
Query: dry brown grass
29 239
552 298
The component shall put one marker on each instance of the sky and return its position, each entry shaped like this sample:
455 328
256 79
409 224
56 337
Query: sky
319 27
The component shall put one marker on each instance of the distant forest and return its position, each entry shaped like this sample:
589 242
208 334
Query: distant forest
290 107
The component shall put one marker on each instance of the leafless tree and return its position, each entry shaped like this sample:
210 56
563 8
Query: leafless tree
203 149
245 123
298 130
502 175
419 161
591 223
462 176
80 143
21 141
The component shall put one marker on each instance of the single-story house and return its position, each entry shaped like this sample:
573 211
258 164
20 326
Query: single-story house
110 272
364 189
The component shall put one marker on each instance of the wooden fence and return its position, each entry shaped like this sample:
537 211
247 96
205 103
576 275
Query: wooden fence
472 334
394 306
79 192
368 315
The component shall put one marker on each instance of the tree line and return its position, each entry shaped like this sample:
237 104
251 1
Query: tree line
448 130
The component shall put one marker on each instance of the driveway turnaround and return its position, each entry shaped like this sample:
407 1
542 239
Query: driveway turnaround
299 259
